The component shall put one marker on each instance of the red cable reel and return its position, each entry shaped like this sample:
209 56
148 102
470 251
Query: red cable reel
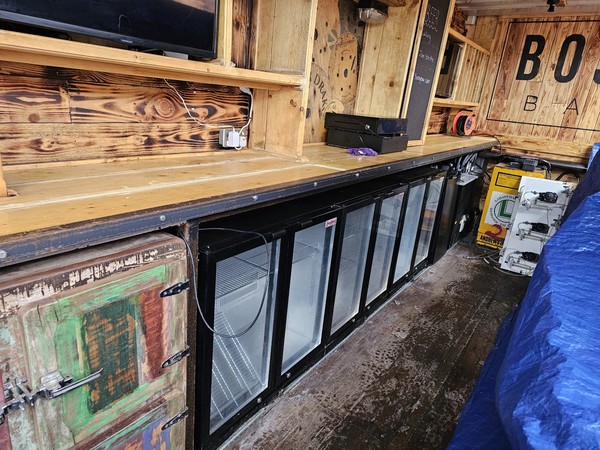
464 123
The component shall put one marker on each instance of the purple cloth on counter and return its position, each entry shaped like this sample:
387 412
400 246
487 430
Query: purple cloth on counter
362 151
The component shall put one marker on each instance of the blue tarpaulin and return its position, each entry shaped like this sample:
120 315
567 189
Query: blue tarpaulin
540 386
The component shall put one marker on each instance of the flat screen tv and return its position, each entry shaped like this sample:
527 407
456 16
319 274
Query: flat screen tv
182 26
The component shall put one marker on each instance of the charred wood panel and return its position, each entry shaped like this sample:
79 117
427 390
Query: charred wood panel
52 114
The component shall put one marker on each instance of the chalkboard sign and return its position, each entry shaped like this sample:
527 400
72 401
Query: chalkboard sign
424 74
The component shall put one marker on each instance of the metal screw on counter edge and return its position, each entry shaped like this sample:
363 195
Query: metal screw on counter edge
3 254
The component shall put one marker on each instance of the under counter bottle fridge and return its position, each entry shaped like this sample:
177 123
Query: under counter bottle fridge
263 279
422 202
239 273
350 263
311 244
389 215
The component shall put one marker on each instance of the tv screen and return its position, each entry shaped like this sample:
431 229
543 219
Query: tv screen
183 26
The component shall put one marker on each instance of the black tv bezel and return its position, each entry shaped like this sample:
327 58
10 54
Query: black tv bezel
130 41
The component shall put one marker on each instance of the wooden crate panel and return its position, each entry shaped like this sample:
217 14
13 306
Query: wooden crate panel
98 309
385 62
145 429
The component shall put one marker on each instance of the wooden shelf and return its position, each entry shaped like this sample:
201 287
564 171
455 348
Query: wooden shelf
449 103
465 40
25 48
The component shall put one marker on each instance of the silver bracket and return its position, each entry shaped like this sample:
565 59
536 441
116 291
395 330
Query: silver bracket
54 384
178 418
175 289
176 358
18 394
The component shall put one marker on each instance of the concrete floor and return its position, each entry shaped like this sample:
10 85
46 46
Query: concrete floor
400 381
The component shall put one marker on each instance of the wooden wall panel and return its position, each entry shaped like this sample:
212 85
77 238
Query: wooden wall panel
472 75
385 62
546 104
334 70
242 33
49 114
484 31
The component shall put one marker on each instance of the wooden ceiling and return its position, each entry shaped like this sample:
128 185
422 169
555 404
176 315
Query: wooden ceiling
522 8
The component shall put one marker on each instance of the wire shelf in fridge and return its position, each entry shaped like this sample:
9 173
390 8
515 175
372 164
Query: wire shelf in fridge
235 273
235 381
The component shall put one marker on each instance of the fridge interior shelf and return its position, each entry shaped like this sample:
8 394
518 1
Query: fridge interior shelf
235 380
236 273
303 251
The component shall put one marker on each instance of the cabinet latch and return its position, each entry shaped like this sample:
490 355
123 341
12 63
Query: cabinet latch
178 418
175 289
18 394
176 358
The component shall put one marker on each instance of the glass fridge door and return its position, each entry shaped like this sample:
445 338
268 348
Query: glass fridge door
311 261
355 246
416 195
244 303
387 230
429 216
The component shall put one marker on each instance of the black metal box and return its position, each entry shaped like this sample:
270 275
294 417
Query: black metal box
365 124
381 144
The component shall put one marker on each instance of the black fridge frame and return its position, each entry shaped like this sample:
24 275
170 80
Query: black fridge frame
318 216
207 263
416 268
394 285
395 188
348 206
416 178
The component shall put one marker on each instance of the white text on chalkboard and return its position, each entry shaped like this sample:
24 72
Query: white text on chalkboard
420 79
432 17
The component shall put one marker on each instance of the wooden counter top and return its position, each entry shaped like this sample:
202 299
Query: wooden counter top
58 206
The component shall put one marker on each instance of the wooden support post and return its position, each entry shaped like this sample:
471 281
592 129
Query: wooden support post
224 43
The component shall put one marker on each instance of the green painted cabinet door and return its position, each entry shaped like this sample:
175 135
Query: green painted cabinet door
97 317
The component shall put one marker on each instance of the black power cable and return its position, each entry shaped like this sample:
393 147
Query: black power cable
195 287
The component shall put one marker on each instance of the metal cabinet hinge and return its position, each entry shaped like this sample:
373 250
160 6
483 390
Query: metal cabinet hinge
175 289
178 418
52 385
176 358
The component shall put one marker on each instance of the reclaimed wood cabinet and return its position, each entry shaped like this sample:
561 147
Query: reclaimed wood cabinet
90 348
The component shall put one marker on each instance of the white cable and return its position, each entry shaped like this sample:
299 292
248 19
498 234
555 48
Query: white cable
245 90
190 257
207 125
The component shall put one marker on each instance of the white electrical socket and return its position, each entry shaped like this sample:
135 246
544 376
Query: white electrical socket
232 139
